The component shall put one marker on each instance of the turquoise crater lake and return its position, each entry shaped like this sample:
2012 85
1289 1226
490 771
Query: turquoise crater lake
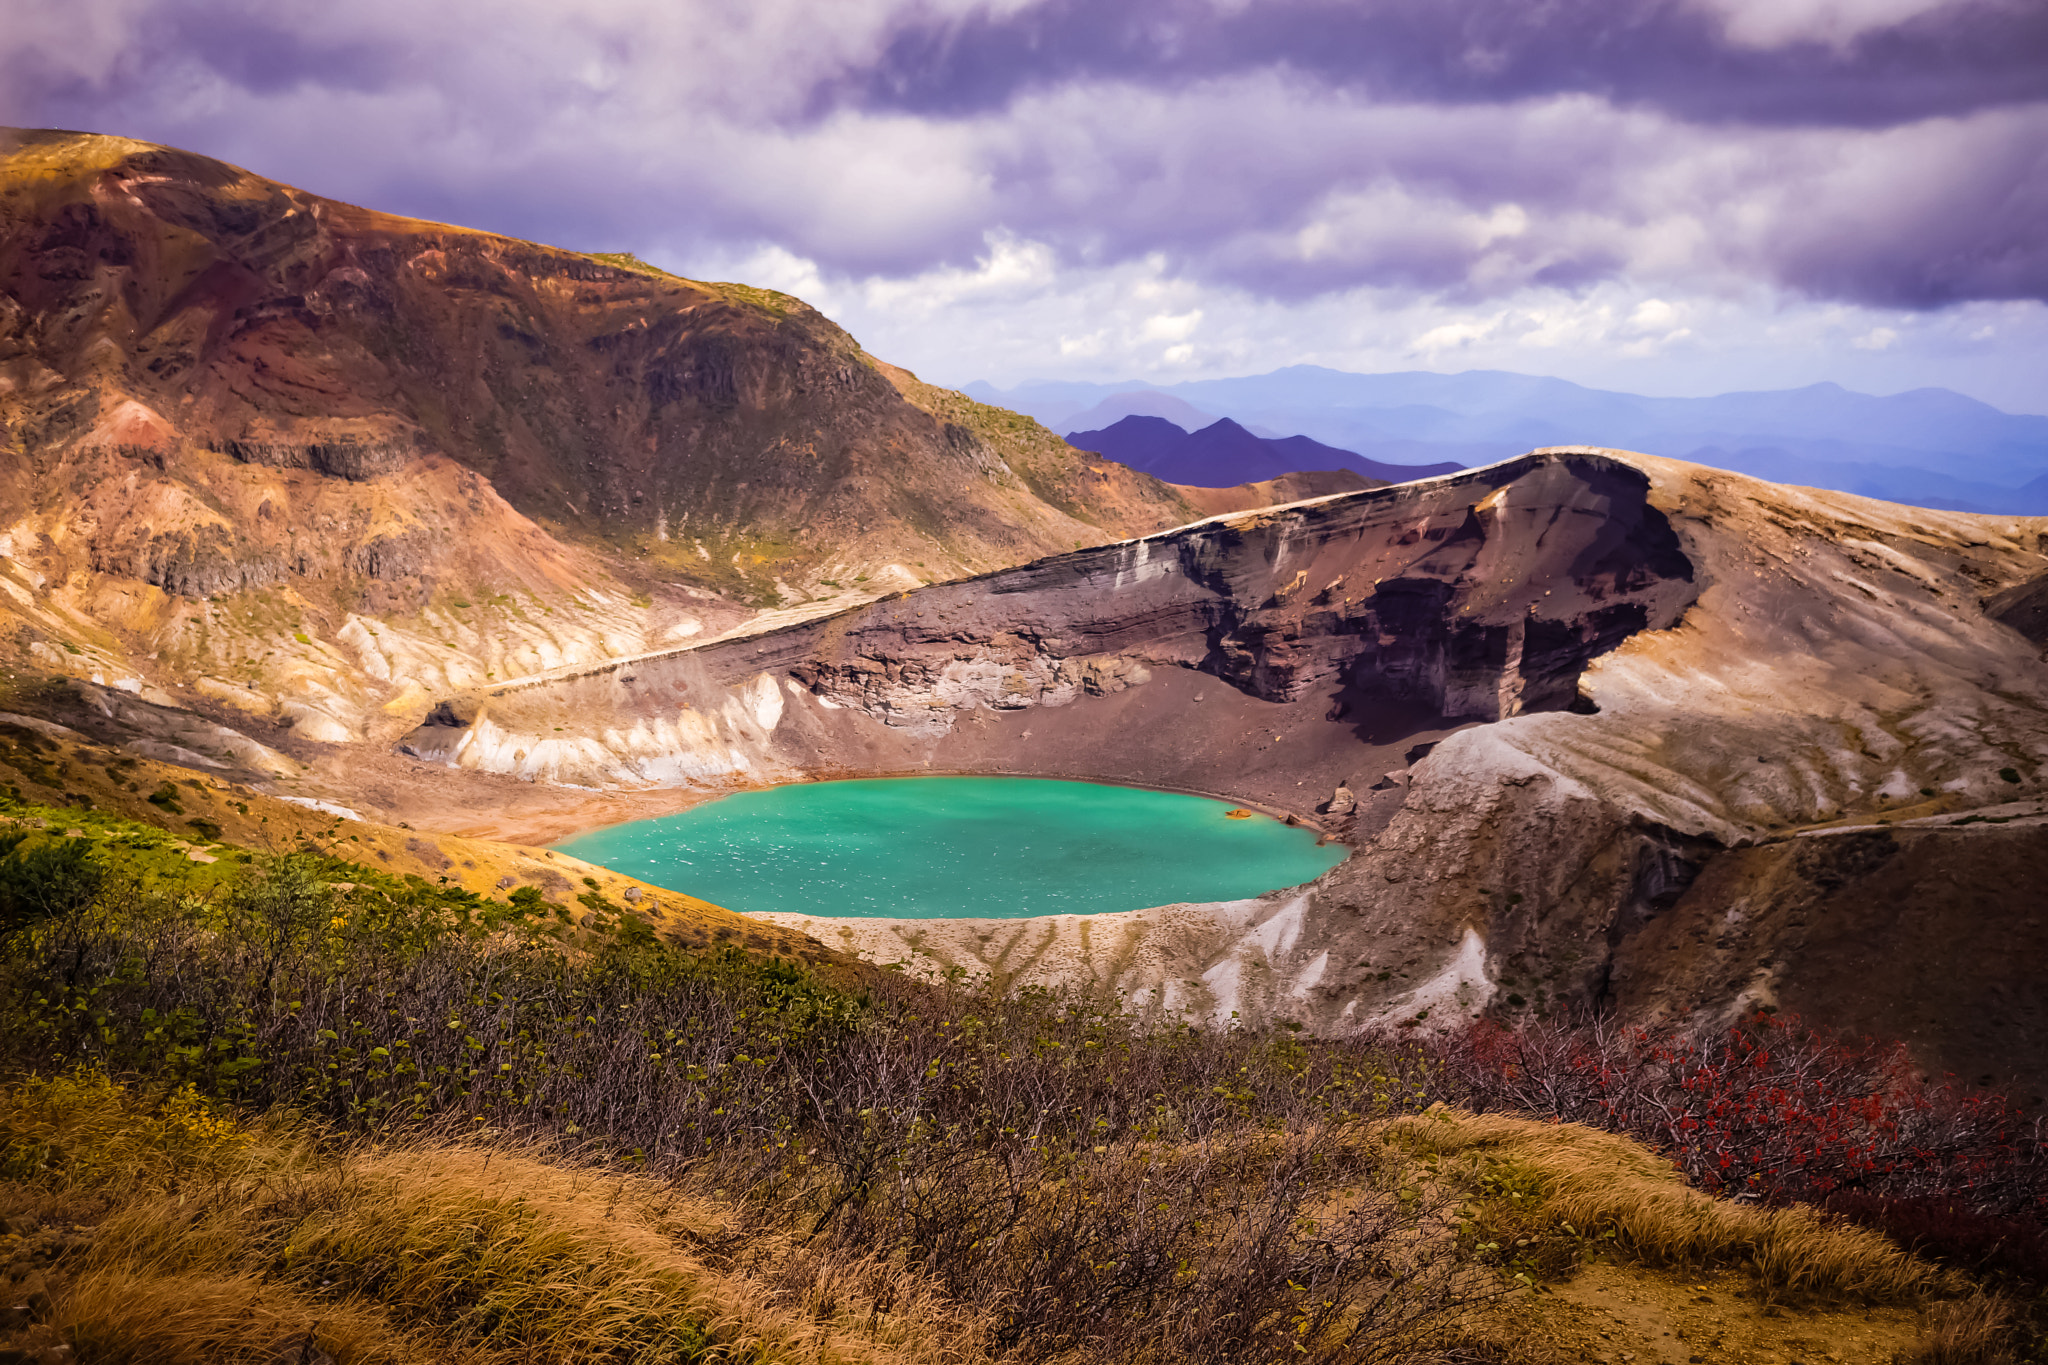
941 847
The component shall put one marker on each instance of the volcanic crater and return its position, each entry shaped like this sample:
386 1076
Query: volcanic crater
1604 730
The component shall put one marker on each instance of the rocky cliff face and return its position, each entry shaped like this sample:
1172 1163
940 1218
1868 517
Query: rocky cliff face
1617 732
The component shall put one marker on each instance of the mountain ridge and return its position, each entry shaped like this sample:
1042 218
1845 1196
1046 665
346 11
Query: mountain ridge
1923 443
1225 453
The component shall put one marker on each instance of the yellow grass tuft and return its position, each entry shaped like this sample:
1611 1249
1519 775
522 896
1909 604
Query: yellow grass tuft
1606 1184
84 1133
231 1244
1972 1331
127 1317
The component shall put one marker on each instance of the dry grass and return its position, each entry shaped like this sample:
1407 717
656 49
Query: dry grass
1603 1184
145 1317
222 1241
1972 1331
213 1240
225 1244
496 1256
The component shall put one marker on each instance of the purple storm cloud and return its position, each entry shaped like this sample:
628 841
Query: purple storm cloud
1224 158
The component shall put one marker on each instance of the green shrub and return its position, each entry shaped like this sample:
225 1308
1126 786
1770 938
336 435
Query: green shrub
44 876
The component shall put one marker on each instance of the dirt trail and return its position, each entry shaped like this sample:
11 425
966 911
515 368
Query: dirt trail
1622 1315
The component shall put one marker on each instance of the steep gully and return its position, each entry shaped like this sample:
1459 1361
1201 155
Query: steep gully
1603 730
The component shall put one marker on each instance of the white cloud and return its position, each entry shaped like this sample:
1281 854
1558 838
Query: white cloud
1653 315
1452 336
1168 327
1009 267
1776 23
1092 322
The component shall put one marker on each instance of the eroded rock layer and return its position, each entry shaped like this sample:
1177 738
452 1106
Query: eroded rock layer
1467 598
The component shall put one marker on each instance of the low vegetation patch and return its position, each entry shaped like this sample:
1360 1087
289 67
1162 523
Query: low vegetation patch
289 1094
1768 1110
208 1239
1567 1185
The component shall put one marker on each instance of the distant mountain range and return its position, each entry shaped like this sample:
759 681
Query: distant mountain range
1223 453
1928 447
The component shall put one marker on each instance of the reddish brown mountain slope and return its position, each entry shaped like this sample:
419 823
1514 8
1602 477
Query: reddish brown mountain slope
160 305
397 455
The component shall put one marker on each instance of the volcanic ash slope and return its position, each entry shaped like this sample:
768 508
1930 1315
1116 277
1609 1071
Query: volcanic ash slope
1620 731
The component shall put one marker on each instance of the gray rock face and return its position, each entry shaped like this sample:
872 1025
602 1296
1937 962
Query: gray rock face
391 557
201 564
344 457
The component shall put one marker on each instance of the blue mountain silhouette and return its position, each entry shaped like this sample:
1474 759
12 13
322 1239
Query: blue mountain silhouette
1225 453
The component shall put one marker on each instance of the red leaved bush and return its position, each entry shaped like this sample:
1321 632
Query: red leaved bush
1768 1109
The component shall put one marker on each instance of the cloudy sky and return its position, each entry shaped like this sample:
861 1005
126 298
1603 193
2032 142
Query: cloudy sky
1669 196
